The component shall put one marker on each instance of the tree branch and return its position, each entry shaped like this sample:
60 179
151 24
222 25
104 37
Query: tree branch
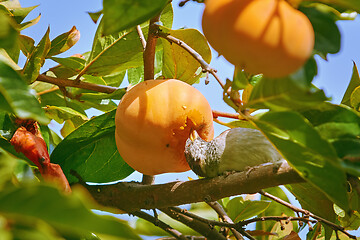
160 224
149 53
205 66
71 83
223 215
307 213
132 196
199 226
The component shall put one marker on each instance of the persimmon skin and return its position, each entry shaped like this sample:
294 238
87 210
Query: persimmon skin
153 121
260 36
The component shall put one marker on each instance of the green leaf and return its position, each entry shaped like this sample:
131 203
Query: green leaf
355 99
4 57
59 114
240 79
311 156
274 209
354 83
73 63
327 34
124 14
284 93
95 15
91 151
9 36
30 23
36 59
114 53
347 4
238 209
27 44
7 165
66 212
64 42
334 121
16 97
20 13
177 62
314 201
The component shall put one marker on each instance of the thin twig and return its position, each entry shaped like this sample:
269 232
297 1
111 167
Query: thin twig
205 66
306 212
193 222
141 36
217 114
60 82
223 215
160 224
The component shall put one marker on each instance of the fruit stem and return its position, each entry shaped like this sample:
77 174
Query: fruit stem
149 53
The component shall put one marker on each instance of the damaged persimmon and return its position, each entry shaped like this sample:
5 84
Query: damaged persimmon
153 121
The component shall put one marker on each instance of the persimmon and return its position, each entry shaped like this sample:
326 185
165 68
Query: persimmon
260 36
153 121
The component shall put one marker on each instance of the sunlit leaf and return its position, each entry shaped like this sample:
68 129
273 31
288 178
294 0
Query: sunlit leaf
64 212
238 209
20 13
312 157
7 165
59 114
64 42
354 83
91 151
178 63
30 23
36 59
16 97
347 4
124 14
27 44
73 63
355 99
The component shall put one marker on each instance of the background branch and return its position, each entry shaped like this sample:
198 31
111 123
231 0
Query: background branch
132 196
205 66
307 213
72 83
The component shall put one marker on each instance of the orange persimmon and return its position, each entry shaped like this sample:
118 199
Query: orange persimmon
154 120
260 36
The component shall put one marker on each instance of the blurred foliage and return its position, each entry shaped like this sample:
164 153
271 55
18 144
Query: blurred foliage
320 140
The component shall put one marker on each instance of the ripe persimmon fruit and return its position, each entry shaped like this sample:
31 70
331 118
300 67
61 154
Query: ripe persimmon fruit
260 36
153 121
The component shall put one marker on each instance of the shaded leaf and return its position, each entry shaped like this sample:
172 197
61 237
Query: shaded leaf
274 209
95 15
16 97
283 93
347 4
314 201
27 44
36 59
64 42
124 14
177 62
311 156
7 165
238 209
327 34
91 151
64 212
334 121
